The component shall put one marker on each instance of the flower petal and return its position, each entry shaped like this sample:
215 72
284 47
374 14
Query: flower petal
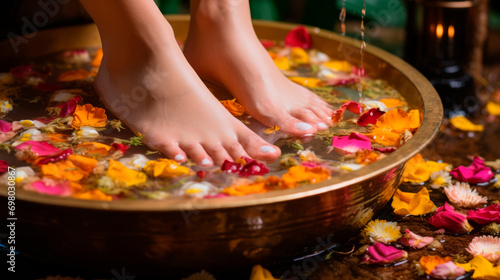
405 203
477 172
352 143
370 117
382 254
483 216
450 220
298 37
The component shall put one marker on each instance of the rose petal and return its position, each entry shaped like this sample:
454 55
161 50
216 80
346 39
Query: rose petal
482 216
4 166
52 187
352 143
5 126
298 37
22 71
414 240
450 220
382 254
448 270
47 87
370 117
352 106
477 172
39 148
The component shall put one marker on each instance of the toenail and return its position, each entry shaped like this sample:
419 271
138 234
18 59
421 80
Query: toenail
303 126
206 162
309 134
267 149
322 125
179 157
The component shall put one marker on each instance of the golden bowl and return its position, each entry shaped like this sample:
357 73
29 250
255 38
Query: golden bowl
188 234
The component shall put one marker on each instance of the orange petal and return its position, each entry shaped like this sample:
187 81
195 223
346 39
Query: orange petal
233 107
88 115
73 75
94 195
307 82
392 102
97 58
300 174
430 262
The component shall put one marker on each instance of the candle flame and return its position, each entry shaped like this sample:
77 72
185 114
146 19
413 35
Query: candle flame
451 31
439 30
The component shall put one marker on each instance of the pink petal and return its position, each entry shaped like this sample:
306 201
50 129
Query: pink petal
414 240
47 87
22 71
298 37
475 173
448 270
370 117
450 220
52 187
39 148
382 254
490 214
386 149
4 166
310 164
216 195
352 143
5 126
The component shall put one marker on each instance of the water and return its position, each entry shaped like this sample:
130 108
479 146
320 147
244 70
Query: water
342 18
361 68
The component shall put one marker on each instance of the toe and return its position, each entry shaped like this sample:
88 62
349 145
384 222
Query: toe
173 151
217 151
308 116
235 150
257 148
197 153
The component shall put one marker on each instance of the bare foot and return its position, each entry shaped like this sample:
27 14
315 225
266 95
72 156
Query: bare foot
145 80
222 47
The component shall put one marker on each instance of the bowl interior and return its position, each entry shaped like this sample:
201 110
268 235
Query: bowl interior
379 64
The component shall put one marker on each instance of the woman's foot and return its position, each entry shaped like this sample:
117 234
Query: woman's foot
145 80
222 47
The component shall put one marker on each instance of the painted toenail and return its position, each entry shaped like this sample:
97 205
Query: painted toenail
322 125
206 162
179 157
267 149
303 126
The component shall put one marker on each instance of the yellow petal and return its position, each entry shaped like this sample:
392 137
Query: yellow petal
493 108
339 65
165 168
464 124
415 204
260 273
416 170
434 166
307 82
299 56
94 195
282 63
483 269
124 176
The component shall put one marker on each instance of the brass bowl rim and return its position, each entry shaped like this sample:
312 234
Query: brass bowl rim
433 112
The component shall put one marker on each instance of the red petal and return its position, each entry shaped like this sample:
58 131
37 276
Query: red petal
62 155
22 71
120 147
4 166
47 87
298 37
370 117
267 43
